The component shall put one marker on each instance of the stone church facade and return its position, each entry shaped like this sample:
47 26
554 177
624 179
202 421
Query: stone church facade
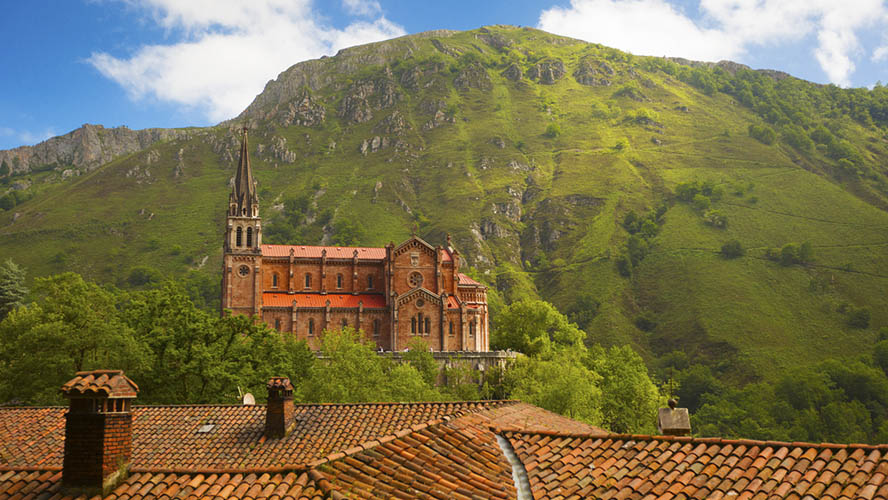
393 294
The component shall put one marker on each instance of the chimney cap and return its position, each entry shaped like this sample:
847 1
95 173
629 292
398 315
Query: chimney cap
674 421
279 383
101 383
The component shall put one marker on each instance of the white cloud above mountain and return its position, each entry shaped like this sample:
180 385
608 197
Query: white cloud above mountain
725 29
228 49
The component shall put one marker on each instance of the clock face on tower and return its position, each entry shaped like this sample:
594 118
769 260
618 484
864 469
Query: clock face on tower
243 270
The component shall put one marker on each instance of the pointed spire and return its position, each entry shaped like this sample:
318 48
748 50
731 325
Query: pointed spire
244 192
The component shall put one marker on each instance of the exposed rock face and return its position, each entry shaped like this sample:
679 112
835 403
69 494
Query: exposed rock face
547 72
86 148
590 73
393 124
473 76
495 40
278 150
305 110
367 95
513 72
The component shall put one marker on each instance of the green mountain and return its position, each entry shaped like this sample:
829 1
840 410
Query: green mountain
599 181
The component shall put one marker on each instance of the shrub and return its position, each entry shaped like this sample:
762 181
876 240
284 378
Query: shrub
553 130
702 202
763 134
732 249
859 317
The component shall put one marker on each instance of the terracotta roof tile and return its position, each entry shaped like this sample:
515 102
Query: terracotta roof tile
464 280
274 299
315 252
109 383
621 466
167 437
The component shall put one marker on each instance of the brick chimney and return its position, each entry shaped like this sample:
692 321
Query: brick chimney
98 428
279 410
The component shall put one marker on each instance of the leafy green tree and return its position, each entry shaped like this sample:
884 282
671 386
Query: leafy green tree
553 130
702 202
351 372
629 398
202 358
558 382
4 169
12 287
419 357
534 326
763 134
73 326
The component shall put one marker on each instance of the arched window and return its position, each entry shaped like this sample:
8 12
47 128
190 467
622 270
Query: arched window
244 212
277 324
274 280
311 326
239 238
370 282
376 328
419 320
428 325
450 327
307 280
233 209
413 326
249 236
344 323
338 281
472 328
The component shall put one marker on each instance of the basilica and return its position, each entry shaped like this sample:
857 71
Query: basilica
392 294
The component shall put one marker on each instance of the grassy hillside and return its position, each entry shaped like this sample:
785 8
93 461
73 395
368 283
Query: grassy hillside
531 149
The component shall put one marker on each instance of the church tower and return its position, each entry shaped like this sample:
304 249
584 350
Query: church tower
242 251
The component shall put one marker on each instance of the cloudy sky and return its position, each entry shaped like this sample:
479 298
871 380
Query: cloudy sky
174 63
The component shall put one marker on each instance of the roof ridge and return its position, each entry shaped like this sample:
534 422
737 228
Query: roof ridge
691 439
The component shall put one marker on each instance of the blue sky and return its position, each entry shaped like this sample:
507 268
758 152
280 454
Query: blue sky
174 63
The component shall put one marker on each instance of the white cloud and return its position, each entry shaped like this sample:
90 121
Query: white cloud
880 54
229 50
726 29
362 7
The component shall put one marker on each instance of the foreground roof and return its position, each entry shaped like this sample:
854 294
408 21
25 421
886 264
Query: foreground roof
563 465
315 252
383 450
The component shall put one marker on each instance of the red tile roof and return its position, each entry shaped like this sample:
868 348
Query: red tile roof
167 437
109 383
275 299
561 465
314 252
443 450
465 281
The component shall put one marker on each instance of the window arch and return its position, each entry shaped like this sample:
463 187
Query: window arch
238 241
370 282
450 327
339 281
274 280
344 323
413 326
249 236
428 325
311 326
376 327
277 324
307 280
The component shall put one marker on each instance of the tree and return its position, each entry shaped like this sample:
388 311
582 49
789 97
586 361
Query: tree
629 398
553 130
419 357
351 372
73 326
4 169
202 358
12 287
557 382
534 326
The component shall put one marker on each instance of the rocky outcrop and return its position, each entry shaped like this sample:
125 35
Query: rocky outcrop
547 72
513 72
473 76
278 150
305 110
367 95
86 148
